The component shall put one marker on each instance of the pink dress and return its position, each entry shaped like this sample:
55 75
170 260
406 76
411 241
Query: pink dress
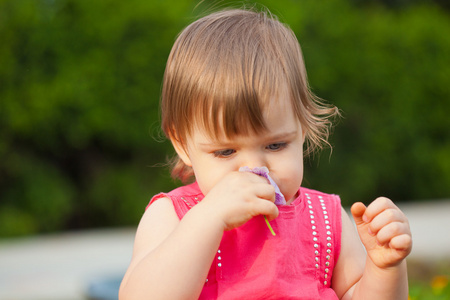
297 263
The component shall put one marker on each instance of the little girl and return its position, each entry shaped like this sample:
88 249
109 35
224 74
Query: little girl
235 95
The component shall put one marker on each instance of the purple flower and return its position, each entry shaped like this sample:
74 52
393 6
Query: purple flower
264 172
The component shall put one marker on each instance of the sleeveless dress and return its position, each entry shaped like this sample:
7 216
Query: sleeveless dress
251 263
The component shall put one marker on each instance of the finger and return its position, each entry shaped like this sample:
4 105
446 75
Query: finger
357 211
265 191
384 218
402 242
369 241
268 209
391 230
255 177
377 206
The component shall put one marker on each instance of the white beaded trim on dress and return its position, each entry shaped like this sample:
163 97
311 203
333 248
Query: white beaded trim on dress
329 245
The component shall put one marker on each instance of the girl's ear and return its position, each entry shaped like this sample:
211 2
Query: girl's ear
182 152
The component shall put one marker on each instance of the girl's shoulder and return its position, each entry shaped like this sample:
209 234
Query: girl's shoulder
183 198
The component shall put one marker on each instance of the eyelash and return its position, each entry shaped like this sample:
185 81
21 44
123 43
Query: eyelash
224 153
228 152
280 146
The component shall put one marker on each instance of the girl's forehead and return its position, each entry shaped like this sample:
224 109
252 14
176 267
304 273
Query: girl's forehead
277 116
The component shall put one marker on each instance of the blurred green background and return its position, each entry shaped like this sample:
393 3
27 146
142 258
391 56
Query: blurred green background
80 144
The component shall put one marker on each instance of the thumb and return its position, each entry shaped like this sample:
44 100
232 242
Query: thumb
358 209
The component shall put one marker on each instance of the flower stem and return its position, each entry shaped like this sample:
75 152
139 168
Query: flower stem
270 227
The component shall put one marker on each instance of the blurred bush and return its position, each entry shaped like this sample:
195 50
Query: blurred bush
389 71
79 91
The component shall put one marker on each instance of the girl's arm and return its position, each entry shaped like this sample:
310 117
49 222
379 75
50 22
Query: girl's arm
381 273
171 258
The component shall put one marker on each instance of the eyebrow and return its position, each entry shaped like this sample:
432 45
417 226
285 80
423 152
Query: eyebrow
282 135
276 136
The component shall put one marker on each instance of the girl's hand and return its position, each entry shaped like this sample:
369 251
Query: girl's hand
238 197
384 230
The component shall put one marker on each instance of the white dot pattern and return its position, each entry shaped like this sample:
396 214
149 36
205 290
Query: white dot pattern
325 265
188 203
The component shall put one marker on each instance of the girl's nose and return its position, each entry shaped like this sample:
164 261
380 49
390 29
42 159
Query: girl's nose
254 160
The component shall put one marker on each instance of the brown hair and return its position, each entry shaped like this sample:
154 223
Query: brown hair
223 71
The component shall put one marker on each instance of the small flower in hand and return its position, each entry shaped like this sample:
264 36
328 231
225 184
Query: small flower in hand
279 198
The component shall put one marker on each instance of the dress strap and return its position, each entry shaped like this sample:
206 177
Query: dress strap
183 198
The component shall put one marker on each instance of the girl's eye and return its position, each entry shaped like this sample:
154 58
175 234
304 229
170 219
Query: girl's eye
276 146
224 153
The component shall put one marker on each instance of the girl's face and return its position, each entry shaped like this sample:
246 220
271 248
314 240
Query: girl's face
280 149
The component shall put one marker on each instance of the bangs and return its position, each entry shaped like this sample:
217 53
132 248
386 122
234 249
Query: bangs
227 79
234 100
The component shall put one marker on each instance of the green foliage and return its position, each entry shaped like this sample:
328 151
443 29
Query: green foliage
79 89
437 289
389 72
79 92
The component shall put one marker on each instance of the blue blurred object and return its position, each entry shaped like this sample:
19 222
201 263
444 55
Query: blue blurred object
104 289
